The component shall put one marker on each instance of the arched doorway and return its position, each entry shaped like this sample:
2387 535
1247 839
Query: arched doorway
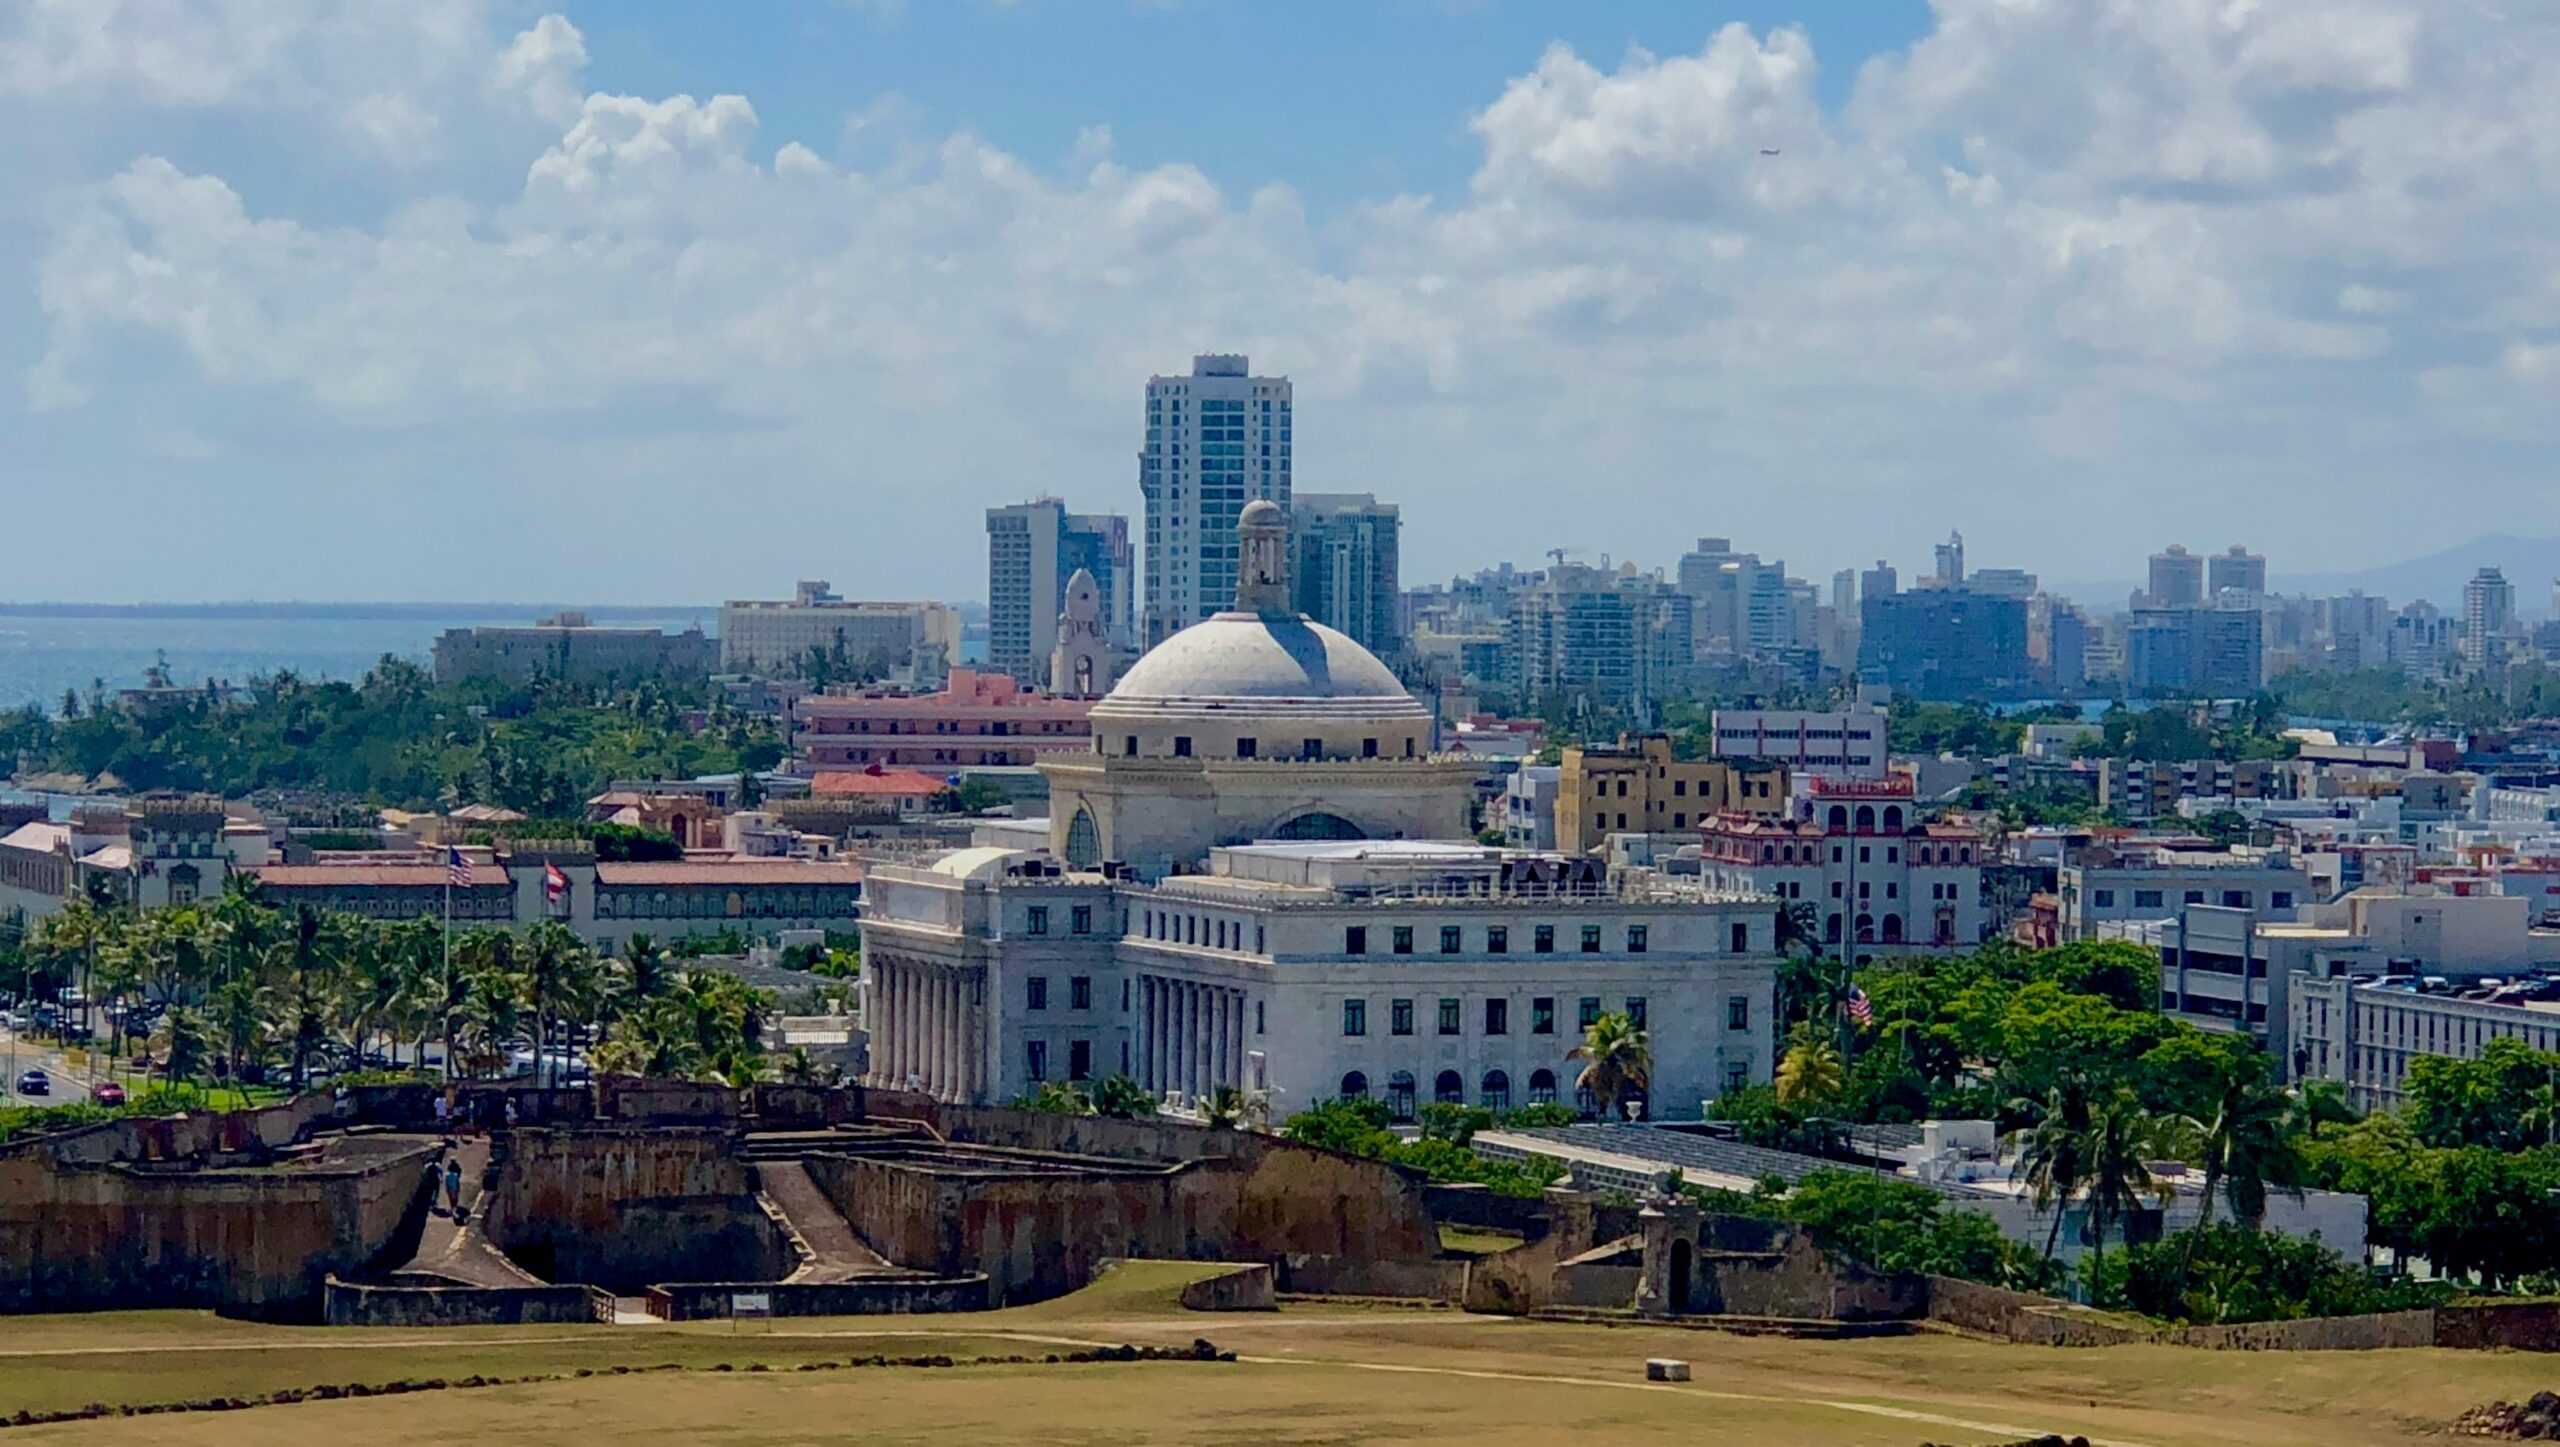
1355 1086
1400 1096
1449 1088
1684 1258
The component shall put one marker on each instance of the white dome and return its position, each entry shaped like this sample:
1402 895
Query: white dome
1248 662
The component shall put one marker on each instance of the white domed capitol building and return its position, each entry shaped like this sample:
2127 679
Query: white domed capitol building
1263 878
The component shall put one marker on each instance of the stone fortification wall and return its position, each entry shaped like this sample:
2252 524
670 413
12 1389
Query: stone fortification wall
1243 1288
115 1216
1043 1231
877 1296
352 1303
623 1208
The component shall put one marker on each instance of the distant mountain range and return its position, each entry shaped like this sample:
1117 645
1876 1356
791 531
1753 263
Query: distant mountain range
2531 564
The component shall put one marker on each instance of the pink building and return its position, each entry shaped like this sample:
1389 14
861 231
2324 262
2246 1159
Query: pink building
979 719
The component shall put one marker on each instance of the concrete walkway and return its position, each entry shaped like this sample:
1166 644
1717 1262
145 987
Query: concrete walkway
459 1253
830 1249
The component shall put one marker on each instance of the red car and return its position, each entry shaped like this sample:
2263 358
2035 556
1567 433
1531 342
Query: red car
107 1092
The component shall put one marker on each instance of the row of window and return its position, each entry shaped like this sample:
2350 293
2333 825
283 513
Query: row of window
1213 931
1921 854
2155 899
1251 748
1497 1015
1493 1090
1035 920
1497 939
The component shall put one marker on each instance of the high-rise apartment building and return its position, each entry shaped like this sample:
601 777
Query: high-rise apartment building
1879 581
2177 578
1943 643
2237 571
2003 582
2217 652
2488 613
1215 440
1614 640
1343 566
1033 548
816 634
1950 562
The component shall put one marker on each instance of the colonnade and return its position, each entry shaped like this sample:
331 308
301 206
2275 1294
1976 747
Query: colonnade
928 1026
1191 1036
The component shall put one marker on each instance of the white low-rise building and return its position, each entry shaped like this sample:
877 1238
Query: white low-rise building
2155 883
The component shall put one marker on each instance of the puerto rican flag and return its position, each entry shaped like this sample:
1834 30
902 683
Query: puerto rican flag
555 885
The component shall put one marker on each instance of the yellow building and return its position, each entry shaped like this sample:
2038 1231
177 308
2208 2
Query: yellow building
1637 787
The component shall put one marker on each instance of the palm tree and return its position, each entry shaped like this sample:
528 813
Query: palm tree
2247 1145
180 1046
2051 1155
559 980
298 1002
1617 1060
1812 1071
2122 1139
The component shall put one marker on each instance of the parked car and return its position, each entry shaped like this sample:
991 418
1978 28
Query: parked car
106 1092
34 1082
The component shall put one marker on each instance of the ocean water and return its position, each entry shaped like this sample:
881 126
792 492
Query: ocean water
44 651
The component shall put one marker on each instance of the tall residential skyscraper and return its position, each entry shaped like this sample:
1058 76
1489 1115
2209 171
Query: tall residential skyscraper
2488 611
1950 559
1033 548
1215 440
1879 581
2177 578
2237 571
1343 566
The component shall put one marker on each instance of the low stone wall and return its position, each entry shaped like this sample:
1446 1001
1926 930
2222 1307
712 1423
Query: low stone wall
2020 1316
354 1303
804 1107
1597 1286
1442 1281
1241 1288
666 1102
2321 1334
195 1136
2525 1326
874 1296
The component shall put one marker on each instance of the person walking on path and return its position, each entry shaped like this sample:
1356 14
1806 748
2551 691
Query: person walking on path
435 1180
511 1112
444 1114
453 1187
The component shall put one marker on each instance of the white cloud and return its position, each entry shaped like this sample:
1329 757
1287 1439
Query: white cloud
2069 273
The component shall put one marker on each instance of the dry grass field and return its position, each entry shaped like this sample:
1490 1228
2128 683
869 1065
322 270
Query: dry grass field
1308 1375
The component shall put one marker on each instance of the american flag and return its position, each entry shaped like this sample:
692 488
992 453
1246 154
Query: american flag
1861 1009
457 870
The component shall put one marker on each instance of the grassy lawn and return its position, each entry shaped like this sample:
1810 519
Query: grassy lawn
1310 1375
1473 1241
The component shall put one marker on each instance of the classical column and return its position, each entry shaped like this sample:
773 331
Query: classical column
885 1038
1150 1035
946 1064
1226 1059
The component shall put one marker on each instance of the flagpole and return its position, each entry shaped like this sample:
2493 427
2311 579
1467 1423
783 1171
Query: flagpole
447 992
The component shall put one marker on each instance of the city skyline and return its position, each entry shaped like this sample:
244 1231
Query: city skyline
474 302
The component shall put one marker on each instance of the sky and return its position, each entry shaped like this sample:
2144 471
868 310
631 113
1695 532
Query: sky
656 301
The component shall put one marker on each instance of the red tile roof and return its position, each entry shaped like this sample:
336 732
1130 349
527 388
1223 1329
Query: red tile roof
730 872
898 783
372 876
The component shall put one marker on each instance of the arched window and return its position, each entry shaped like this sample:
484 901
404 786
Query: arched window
1893 819
1318 825
1400 1095
1084 840
1497 1090
1542 1086
1449 1088
1866 929
1893 929
1866 818
1355 1086
1839 817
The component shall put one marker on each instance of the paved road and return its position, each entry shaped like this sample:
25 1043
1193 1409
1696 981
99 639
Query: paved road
17 1055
